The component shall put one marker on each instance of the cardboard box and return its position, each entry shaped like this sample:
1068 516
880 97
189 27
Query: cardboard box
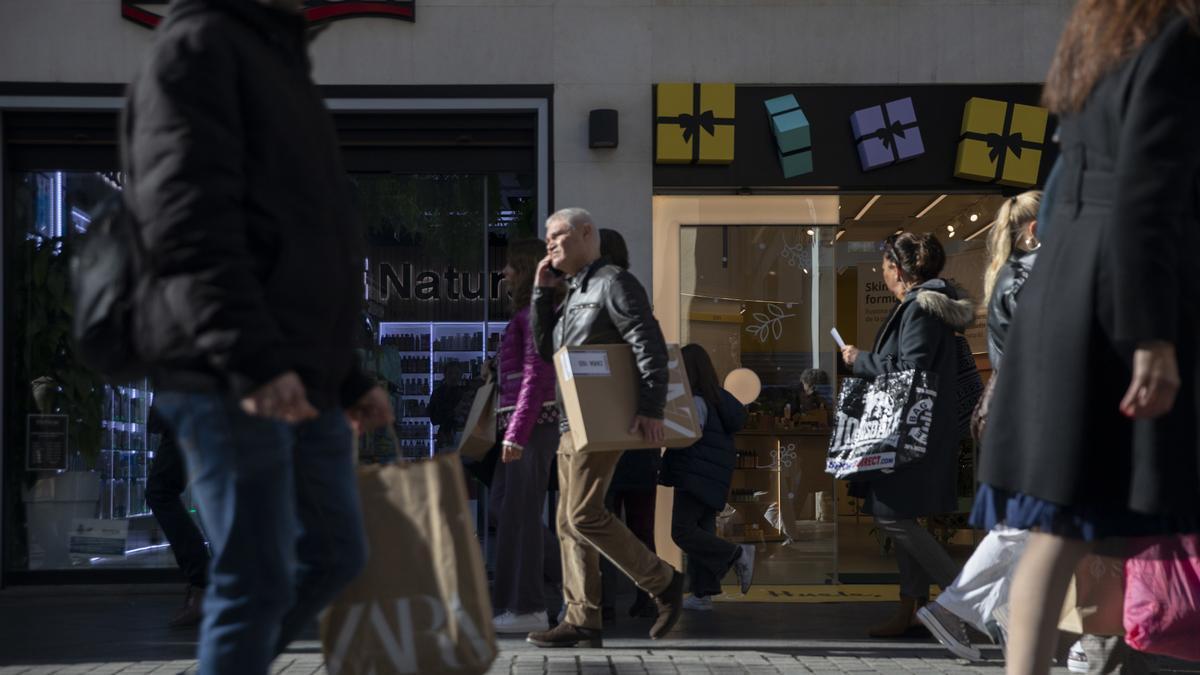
1001 142
599 385
694 123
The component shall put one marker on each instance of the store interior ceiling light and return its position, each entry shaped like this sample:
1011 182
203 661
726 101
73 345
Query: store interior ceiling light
811 233
840 233
899 231
867 207
978 232
974 217
937 200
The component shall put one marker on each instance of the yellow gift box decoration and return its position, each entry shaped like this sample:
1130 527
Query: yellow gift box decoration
1001 142
694 123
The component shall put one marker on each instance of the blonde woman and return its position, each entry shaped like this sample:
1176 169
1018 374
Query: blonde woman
981 588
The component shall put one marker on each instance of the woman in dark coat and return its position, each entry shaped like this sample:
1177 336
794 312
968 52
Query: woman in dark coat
919 335
1095 423
701 474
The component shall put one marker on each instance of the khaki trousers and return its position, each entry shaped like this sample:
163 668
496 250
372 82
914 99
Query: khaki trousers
587 529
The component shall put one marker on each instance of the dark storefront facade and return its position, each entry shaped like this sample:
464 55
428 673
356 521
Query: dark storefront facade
444 178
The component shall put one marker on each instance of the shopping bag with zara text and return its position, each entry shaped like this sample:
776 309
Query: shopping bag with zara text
421 605
882 424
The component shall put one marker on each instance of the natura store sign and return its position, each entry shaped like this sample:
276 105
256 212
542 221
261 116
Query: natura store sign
150 12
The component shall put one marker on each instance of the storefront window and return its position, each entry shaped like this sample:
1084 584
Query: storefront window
760 283
437 303
77 449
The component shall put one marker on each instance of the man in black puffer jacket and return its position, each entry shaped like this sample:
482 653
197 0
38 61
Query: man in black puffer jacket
256 287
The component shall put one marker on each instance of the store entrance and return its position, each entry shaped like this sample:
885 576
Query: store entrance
759 281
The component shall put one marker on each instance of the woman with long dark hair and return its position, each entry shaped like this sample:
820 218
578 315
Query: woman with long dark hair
701 474
528 420
1094 431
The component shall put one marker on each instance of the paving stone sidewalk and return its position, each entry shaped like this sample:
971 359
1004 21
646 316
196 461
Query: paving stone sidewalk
110 630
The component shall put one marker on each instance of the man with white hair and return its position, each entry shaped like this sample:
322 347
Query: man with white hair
605 304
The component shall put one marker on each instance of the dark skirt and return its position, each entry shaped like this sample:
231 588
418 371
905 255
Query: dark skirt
996 506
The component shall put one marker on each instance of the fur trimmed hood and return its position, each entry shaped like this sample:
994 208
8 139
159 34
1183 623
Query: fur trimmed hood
947 302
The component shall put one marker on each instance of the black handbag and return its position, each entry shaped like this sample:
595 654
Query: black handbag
969 384
106 282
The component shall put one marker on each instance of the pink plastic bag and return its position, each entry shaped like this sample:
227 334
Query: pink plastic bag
1162 598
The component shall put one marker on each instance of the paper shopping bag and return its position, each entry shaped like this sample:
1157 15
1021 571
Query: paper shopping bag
421 605
479 435
1095 599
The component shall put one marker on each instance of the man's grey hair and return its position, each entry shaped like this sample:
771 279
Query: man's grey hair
573 216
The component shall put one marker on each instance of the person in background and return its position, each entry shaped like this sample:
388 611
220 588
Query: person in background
634 487
979 596
812 406
527 420
165 485
701 475
444 404
918 335
605 305
249 315
1094 426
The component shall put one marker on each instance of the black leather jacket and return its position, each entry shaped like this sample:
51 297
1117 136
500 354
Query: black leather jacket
1004 301
606 305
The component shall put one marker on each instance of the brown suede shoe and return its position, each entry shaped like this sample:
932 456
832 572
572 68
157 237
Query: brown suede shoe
670 604
567 635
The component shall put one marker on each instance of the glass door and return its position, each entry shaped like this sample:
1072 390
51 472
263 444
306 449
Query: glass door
761 298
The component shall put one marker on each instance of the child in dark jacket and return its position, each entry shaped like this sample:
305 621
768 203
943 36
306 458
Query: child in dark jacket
701 474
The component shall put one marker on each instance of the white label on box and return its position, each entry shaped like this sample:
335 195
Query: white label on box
588 364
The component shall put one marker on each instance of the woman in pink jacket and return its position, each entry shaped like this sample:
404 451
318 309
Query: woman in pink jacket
528 422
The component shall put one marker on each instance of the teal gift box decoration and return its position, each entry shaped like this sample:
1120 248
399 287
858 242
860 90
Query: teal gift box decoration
793 135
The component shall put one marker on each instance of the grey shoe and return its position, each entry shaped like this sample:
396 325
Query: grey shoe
743 567
949 630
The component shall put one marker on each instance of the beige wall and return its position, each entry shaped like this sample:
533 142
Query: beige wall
600 53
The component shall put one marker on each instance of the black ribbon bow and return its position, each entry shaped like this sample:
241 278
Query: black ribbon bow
888 134
1001 142
692 124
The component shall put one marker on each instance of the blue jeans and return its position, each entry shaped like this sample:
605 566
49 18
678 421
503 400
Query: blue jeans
280 505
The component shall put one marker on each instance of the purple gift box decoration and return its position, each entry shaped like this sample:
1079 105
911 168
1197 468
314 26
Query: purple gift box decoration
886 134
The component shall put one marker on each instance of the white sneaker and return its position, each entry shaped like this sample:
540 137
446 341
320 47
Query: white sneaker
520 623
743 567
704 604
1077 661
